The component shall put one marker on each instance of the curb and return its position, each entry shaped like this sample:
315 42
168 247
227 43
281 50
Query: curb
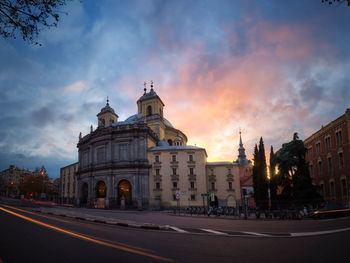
108 222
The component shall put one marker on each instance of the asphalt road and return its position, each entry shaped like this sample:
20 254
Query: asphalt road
30 237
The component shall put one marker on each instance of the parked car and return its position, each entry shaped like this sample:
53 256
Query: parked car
330 210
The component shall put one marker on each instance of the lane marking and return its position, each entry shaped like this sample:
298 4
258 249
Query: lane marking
304 234
86 238
213 231
178 229
256 234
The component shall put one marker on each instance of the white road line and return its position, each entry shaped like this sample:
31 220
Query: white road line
303 234
214 232
178 229
256 234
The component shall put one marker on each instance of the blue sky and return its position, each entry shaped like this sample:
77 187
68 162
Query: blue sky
269 68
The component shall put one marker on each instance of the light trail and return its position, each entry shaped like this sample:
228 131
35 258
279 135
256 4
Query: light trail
123 247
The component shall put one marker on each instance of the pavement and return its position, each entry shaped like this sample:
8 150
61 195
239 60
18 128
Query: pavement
199 224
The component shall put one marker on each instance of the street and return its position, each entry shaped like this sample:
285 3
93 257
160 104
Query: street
31 237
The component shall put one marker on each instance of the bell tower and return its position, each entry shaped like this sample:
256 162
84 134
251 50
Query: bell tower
106 116
149 103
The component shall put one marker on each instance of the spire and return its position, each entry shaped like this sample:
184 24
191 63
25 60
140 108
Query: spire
242 159
107 101
145 89
152 86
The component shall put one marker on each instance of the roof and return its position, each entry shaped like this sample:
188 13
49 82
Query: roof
150 95
107 108
220 163
183 147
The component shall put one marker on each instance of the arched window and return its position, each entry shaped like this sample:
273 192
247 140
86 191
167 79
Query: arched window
149 110
161 113
170 142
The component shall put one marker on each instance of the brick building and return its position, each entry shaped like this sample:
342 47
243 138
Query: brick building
328 154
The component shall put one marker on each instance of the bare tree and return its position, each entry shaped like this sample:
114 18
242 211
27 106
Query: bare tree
26 18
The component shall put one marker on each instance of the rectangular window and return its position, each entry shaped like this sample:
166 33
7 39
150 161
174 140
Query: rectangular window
123 152
344 188
157 171
311 170
174 171
190 158
322 190
332 190
193 197
156 158
157 185
212 186
173 158
318 148
339 138
174 184
309 153
329 163
341 159
191 171
328 143
174 197
100 154
230 185
192 185
320 167
229 171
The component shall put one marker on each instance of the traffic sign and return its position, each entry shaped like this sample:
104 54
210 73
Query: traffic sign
205 194
177 195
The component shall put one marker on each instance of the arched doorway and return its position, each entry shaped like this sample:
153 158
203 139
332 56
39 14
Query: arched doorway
84 193
101 189
124 189
214 202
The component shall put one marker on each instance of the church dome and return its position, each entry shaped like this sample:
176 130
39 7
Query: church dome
106 108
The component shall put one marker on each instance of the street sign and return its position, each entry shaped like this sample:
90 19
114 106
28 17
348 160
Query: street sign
177 195
212 197
205 194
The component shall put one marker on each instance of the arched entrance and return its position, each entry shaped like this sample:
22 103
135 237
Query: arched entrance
101 189
124 189
84 193
214 202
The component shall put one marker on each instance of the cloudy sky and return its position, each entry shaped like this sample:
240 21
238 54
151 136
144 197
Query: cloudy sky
269 68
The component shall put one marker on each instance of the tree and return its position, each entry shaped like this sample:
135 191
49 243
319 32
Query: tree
260 176
274 179
26 18
294 174
330 2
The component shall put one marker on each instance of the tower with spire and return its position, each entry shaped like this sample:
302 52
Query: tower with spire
106 116
242 158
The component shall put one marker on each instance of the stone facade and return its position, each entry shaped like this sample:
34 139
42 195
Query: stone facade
328 155
145 161
68 183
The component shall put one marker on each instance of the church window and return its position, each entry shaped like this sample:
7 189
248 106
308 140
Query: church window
212 186
191 170
174 171
175 184
318 148
190 157
328 142
157 171
156 158
100 154
230 185
329 163
157 185
174 197
320 167
192 185
149 110
123 152
173 158
170 142
193 197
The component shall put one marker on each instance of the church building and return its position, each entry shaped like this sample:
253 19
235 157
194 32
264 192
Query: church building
145 162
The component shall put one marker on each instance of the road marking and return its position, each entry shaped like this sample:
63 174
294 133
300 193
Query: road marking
256 234
86 238
214 232
304 234
178 229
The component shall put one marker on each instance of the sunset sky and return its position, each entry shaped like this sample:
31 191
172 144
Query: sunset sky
269 68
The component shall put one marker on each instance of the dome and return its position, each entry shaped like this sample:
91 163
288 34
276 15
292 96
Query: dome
167 123
106 108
